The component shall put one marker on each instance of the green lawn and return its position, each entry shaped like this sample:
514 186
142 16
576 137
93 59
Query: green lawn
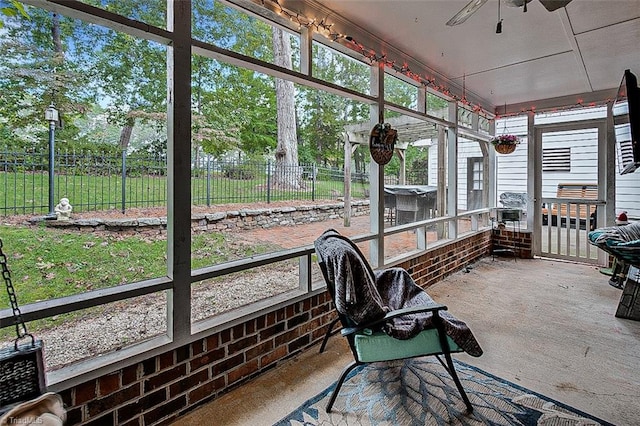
48 263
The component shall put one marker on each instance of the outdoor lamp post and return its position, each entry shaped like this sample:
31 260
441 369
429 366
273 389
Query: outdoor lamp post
51 115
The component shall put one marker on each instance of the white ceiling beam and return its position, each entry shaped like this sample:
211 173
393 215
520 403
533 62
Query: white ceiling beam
579 100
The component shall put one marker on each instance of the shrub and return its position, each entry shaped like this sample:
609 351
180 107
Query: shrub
239 171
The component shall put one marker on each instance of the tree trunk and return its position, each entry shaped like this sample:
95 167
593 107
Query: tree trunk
55 34
58 61
288 174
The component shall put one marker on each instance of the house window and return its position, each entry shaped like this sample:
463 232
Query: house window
556 160
478 178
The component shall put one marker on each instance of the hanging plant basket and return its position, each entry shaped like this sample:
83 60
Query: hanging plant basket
505 148
505 144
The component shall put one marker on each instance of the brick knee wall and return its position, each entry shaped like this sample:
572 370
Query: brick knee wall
158 390
518 241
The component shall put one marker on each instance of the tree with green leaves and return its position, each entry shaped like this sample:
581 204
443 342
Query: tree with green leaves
323 115
36 72
13 8
90 72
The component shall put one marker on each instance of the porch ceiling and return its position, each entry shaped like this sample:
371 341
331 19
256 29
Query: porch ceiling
572 53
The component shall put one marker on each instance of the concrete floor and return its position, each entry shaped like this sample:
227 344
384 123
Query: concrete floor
546 325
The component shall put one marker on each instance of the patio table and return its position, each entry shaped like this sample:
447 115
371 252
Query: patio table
412 202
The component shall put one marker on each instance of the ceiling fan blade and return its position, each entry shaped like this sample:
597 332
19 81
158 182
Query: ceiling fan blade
552 5
466 12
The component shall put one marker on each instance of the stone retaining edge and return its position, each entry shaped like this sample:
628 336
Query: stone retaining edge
244 219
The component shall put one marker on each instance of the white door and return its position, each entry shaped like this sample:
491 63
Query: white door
568 180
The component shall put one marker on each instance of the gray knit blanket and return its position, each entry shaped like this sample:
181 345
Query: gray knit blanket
364 295
613 235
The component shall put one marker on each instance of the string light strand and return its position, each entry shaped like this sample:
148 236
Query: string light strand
324 28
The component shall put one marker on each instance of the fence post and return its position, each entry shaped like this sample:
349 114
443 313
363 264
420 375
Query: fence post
314 171
124 178
52 177
268 181
208 180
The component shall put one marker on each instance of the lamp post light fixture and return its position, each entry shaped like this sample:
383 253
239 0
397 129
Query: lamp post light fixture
51 115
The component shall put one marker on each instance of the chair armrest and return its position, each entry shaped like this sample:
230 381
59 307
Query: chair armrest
431 307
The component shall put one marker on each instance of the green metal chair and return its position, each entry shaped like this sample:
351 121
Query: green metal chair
367 340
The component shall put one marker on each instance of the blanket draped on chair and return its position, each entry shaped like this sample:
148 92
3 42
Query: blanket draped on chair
365 295
623 242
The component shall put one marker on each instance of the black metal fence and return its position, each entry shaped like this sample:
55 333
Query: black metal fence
412 177
104 182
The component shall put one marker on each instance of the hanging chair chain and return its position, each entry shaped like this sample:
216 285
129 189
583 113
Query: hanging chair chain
21 328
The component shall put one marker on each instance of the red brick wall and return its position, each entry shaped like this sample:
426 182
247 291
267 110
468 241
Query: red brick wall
160 389
518 241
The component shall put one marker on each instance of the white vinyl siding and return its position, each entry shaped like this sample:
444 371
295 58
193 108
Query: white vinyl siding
512 168
583 148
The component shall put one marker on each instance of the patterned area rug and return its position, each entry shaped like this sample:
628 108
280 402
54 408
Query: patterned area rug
421 392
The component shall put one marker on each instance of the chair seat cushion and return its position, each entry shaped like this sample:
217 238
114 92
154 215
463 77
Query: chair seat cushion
378 346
